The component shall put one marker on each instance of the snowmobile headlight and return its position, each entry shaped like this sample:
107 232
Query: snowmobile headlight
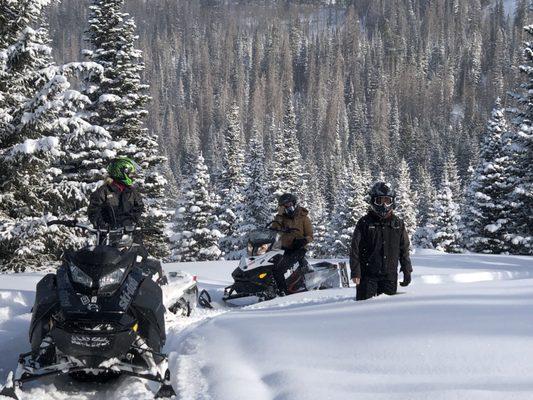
263 275
80 277
111 279
262 249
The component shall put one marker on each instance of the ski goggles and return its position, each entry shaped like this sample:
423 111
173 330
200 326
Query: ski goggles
383 200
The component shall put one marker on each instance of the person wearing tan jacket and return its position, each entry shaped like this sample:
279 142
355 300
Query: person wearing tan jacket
297 231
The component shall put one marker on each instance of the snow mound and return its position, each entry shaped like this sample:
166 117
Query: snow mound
462 330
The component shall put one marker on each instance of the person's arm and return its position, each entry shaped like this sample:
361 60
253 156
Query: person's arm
138 207
405 260
94 210
355 264
308 229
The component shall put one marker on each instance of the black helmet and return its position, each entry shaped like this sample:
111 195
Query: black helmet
288 201
286 198
382 198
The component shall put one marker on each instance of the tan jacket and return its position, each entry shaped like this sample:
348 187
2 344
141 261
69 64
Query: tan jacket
299 221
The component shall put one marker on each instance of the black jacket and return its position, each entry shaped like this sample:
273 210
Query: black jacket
110 206
377 246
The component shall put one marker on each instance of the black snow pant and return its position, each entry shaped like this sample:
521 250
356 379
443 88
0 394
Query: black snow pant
374 286
290 257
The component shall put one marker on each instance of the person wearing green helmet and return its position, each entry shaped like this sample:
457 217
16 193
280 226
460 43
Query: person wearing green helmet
117 203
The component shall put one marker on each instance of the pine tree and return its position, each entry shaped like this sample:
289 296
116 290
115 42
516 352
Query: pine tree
520 231
488 198
45 114
231 184
445 225
118 104
349 208
257 210
425 198
450 166
405 205
195 239
287 174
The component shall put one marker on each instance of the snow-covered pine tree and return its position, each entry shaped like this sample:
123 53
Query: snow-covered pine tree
44 114
287 172
118 103
230 186
405 198
320 248
450 166
446 235
257 211
488 197
349 208
394 136
195 239
425 198
520 229
318 213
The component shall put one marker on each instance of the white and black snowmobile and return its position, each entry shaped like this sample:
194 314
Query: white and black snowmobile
254 275
101 314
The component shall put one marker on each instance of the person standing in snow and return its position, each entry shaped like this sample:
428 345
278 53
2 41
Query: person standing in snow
379 241
298 232
117 203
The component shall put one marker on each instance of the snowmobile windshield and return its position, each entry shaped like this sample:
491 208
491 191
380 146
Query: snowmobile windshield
260 237
260 241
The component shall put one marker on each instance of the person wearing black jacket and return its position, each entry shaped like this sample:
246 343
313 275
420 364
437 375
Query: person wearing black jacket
116 203
379 242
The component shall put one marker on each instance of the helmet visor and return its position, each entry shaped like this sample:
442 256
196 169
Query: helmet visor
383 200
134 169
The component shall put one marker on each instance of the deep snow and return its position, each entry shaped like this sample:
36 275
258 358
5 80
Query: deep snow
462 330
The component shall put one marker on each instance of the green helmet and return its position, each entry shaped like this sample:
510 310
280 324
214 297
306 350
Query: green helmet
123 169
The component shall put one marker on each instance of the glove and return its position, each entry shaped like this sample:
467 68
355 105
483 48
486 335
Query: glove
101 224
299 243
406 279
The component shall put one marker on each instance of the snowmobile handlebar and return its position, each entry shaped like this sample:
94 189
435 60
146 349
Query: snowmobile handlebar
74 224
281 229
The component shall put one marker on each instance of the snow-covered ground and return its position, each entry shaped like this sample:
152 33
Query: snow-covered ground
462 330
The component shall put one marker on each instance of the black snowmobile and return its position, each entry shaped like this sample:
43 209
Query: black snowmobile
101 314
254 275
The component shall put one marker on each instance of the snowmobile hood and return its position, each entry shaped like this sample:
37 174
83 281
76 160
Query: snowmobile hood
97 256
101 260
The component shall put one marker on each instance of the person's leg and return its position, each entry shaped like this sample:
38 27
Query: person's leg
366 289
388 286
279 274
290 257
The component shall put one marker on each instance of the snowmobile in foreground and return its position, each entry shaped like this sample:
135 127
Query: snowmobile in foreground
254 275
101 314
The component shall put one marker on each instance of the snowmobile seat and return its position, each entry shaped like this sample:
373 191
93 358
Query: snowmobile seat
323 264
